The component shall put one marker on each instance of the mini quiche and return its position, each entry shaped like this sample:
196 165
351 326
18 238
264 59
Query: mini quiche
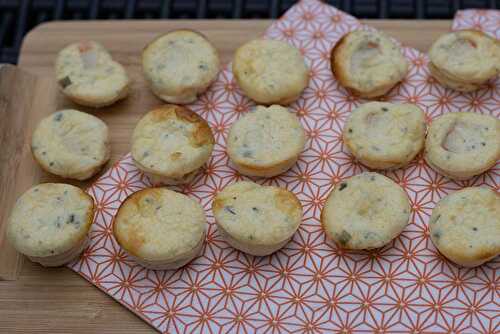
368 63
71 144
255 219
50 223
384 135
460 145
365 211
270 72
180 65
465 226
464 60
88 75
266 142
160 228
171 143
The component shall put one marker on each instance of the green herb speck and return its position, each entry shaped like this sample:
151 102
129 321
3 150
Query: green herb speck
344 238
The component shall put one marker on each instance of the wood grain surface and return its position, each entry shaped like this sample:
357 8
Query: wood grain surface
58 300
16 87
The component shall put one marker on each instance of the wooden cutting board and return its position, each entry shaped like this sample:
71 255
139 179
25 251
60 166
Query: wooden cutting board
35 299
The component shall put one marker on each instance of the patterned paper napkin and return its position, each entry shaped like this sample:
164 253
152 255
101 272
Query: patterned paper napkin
310 285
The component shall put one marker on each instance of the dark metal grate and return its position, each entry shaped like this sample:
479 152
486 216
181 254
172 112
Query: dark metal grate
19 16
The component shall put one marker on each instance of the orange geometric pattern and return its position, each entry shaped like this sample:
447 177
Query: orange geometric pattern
310 286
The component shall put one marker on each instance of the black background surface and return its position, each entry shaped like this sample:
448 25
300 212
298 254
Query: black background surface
17 17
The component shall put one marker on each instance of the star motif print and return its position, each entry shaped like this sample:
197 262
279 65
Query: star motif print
310 285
